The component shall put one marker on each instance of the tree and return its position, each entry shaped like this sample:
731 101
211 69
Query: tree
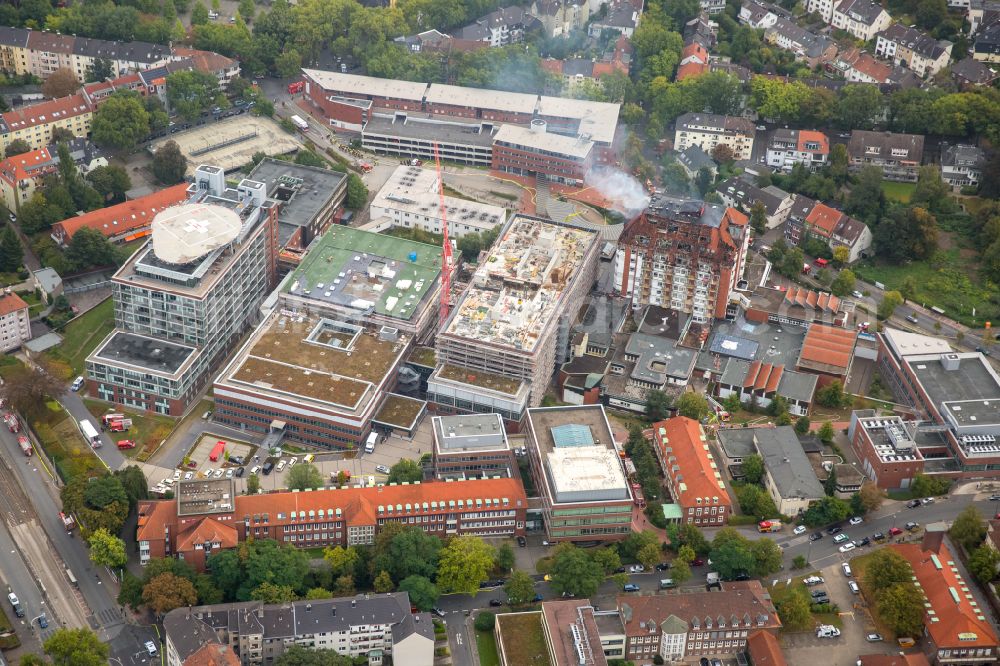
692 405
802 425
969 528
61 83
858 106
296 655
983 563
753 468
423 593
731 553
832 395
341 559
901 607
89 247
867 199
754 501
766 556
111 182
505 557
830 483
758 217
926 486
636 541
107 550
199 14
120 122
680 572
344 586
26 389
689 535
844 283
870 497
304 476
886 568
825 511
357 192
288 64
76 647
17 147
470 245
410 551
270 593
685 554
318 593
791 262
575 572
169 164
464 563
253 484
800 562
794 611
166 592
520 588
890 301
240 571
11 251
906 233
190 92
383 582
657 405
723 153
649 555
608 558
485 621
841 255
247 9
406 470
101 69
931 191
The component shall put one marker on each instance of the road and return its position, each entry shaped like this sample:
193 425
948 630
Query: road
108 453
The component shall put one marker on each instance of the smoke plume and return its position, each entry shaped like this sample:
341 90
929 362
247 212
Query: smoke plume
624 192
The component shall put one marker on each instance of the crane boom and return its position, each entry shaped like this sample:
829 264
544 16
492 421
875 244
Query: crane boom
446 249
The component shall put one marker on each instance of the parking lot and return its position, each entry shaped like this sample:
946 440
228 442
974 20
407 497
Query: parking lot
263 135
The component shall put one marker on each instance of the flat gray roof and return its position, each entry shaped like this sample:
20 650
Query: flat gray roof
367 86
148 353
440 93
429 129
577 148
468 432
787 463
204 496
972 386
303 191
775 343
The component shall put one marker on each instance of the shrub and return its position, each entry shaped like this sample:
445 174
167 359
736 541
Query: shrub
485 621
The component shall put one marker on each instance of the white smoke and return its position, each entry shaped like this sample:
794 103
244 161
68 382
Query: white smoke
624 192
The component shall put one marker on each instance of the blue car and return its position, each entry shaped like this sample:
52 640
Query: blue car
631 587
537 598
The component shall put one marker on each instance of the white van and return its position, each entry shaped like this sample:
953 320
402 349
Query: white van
370 444
281 465
77 384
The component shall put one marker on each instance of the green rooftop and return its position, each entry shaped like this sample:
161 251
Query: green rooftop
349 267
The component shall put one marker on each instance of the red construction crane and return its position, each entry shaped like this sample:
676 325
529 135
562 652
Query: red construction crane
446 249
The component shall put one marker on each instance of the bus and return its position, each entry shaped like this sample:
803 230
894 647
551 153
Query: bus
937 310
90 432
71 577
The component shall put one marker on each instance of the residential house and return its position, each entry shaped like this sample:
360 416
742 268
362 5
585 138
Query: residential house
839 230
701 30
758 384
708 130
694 61
561 17
962 165
861 18
35 124
223 68
788 475
577 72
969 73
501 27
712 7
898 155
48 282
808 47
433 41
743 194
794 231
699 623
15 327
917 50
790 147
84 153
866 69
693 159
692 474
957 630
622 17
21 175
213 654
760 15
372 626
986 47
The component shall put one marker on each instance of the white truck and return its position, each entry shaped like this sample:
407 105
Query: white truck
90 432
370 444
300 123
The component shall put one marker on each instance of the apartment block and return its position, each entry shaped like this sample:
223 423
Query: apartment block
962 165
693 475
787 148
861 18
187 297
585 493
684 255
917 50
207 517
378 628
898 155
34 124
21 175
708 130
15 327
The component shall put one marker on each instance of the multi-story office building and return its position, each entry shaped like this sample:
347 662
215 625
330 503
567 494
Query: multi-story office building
579 474
371 626
532 151
513 321
471 446
185 298
708 130
15 327
207 517
898 155
693 476
684 255
886 447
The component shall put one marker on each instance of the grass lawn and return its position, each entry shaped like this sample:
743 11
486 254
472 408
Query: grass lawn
9 364
523 640
35 304
486 645
147 431
951 283
780 592
64 444
900 192
82 335
8 639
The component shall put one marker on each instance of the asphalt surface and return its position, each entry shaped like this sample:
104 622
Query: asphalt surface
108 453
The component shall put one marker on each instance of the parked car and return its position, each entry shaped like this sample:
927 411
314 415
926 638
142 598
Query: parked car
847 569
381 469
840 538
854 587
496 602
827 631
631 587
812 580
240 471
873 638
188 476
818 593
43 621
995 498
801 529
663 566
268 466
697 562
636 568
927 500
856 520
522 542
219 472
834 529
815 536
864 542
847 547
913 504
438 612
894 531
912 526
857 294
878 536
230 472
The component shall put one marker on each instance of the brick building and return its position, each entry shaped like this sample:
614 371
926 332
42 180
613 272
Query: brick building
692 473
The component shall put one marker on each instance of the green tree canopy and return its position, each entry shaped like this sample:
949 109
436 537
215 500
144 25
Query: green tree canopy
270 593
75 647
304 476
969 528
296 655
692 405
166 592
106 549
901 607
825 511
753 468
190 92
11 251
657 405
120 122
169 164
409 552
520 588
406 470
423 593
464 563
575 572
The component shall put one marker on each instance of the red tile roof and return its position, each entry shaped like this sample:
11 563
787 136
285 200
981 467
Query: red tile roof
46 112
27 165
207 530
959 624
810 299
764 649
11 303
213 654
823 219
912 659
763 377
828 348
694 61
124 217
869 66
811 136
689 452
